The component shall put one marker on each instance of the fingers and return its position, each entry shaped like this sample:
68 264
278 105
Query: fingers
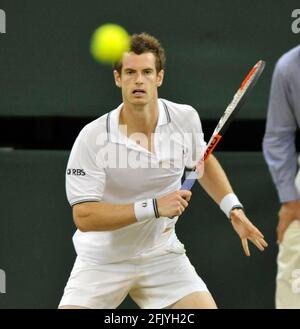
246 230
254 230
264 243
257 238
246 247
183 203
255 233
261 244
258 232
185 194
182 209
174 204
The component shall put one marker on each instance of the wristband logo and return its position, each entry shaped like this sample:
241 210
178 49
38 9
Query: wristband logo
2 282
2 21
296 23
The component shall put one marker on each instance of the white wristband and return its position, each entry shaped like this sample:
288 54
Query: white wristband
229 202
145 209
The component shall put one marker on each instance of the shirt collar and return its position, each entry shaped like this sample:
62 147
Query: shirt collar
112 121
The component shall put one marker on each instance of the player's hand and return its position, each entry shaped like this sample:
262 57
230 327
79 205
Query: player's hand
247 231
174 203
288 212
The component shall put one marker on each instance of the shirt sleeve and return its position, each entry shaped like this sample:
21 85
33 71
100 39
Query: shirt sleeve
279 140
196 144
85 176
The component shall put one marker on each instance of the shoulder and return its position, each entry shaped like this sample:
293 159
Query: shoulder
92 135
181 112
288 62
92 130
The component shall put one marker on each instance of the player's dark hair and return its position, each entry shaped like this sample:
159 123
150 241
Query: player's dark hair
145 43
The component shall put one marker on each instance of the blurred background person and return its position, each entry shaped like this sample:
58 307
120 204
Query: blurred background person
280 153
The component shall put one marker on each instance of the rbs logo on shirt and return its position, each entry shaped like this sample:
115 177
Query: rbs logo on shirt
76 172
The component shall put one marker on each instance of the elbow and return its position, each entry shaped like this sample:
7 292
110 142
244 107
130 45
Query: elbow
81 227
81 215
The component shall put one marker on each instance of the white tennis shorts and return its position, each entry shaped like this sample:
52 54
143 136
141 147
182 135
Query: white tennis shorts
154 280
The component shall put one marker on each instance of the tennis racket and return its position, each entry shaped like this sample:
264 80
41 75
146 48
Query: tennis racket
229 114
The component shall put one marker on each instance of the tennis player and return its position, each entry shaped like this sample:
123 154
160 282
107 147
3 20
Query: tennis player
123 182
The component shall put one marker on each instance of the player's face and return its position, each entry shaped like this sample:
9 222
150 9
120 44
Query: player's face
139 80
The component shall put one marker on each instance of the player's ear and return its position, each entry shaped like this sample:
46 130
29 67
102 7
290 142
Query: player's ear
117 78
160 78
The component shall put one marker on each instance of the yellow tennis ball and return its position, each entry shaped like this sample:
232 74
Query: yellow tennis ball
109 42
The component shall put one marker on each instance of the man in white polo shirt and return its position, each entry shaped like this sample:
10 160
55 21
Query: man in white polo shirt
123 182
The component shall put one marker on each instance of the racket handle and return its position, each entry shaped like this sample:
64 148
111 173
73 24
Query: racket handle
190 180
188 184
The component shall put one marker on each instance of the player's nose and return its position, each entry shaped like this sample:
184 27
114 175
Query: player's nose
139 78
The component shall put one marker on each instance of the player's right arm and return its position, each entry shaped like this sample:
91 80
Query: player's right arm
101 216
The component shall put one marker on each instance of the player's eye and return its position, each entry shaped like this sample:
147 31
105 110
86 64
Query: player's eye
129 72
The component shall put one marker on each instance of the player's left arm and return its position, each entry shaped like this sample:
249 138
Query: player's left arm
216 184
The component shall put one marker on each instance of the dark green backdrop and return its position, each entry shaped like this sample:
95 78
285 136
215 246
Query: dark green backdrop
46 69
36 228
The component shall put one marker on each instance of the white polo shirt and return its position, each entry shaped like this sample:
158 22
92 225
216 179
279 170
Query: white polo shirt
106 166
